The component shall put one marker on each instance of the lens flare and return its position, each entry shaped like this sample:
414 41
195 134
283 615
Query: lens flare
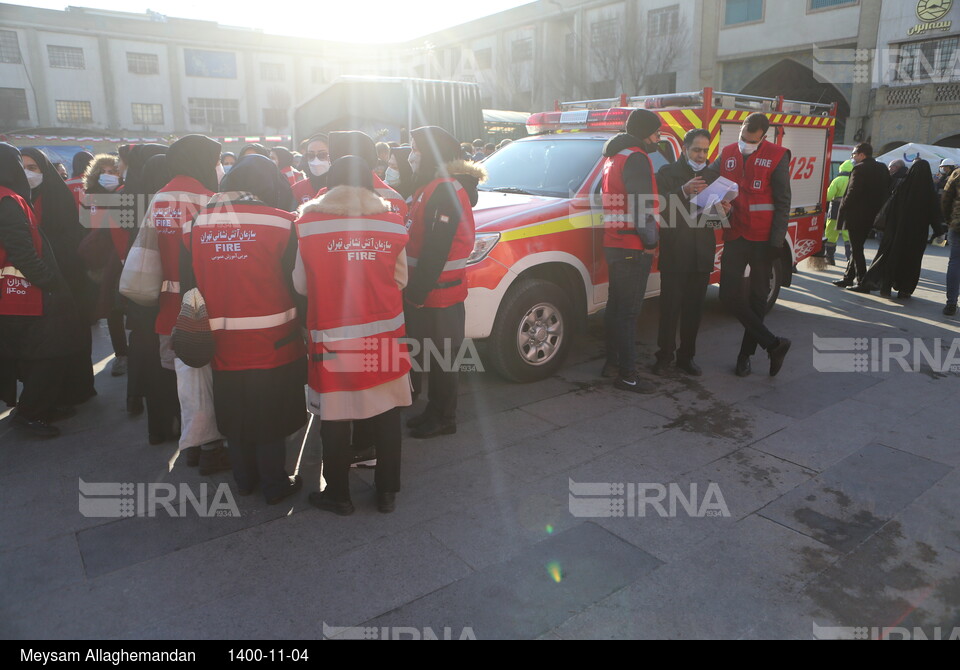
553 569
549 529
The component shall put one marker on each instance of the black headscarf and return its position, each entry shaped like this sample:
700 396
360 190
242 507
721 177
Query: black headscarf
284 157
402 156
259 148
59 217
350 171
195 156
259 175
11 171
137 158
81 160
437 147
352 143
154 175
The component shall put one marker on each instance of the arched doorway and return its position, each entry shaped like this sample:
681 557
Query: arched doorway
796 82
953 141
890 146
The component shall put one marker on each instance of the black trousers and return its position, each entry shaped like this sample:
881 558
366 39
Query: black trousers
748 306
437 330
118 334
147 378
259 462
629 272
682 295
42 381
857 265
337 454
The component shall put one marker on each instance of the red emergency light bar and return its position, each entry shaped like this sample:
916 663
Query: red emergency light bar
599 119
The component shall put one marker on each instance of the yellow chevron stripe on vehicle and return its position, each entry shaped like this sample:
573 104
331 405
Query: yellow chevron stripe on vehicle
553 227
675 125
716 119
693 118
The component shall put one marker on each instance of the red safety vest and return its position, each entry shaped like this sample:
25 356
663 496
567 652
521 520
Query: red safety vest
752 215
619 229
294 176
237 250
174 205
76 187
18 297
303 191
451 287
355 313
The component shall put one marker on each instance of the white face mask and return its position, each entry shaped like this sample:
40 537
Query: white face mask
33 178
696 166
109 181
319 167
414 161
391 176
748 149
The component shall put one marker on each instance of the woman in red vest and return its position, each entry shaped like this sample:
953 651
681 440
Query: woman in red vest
35 303
240 252
316 163
352 267
441 240
284 160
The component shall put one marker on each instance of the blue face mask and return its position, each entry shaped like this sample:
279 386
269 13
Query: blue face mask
227 168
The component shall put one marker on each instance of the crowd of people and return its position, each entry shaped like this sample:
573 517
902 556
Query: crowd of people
232 282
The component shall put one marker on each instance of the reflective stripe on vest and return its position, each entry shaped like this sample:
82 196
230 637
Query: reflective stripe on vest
447 267
357 331
211 221
618 219
349 226
753 210
169 287
253 322
10 271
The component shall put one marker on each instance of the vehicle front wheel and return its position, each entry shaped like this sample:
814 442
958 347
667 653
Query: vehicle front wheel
532 333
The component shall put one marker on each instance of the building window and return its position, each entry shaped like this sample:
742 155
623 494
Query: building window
13 106
928 60
743 11
66 57
827 4
147 114
76 112
9 47
272 72
143 63
664 21
214 111
218 64
605 33
275 118
484 58
522 50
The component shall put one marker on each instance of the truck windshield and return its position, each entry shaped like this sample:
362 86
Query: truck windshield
549 167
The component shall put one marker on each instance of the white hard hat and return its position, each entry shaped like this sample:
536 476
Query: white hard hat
948 162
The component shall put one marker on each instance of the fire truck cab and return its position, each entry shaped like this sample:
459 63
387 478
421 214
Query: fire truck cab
538 268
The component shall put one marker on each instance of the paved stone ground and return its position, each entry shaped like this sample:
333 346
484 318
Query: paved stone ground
841 490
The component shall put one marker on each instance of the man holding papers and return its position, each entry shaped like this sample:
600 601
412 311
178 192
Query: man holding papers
688 244
756 235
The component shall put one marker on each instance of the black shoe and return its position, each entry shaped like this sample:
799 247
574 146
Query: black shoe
743 368
886 293
214 460
418 420
386 502
635 385
843 283
903 295
192 456
777 354
134 405
610 371
661 368
35 428
321 500
861 288
690 368
433 428
950 310
296 483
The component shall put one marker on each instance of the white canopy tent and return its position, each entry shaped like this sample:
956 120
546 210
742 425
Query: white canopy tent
928 152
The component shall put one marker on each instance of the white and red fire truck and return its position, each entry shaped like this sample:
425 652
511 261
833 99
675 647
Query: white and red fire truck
538 268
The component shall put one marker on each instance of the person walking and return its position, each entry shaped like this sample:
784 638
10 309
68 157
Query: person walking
358 369
687 253
755 237
441 240
866 194
259 361
630 240
835 193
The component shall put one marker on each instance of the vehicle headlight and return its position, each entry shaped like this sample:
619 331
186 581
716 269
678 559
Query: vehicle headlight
484 244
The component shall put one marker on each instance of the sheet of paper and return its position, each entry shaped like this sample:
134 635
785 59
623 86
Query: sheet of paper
721 190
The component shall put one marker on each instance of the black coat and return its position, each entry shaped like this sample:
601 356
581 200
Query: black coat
684 248
867 192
